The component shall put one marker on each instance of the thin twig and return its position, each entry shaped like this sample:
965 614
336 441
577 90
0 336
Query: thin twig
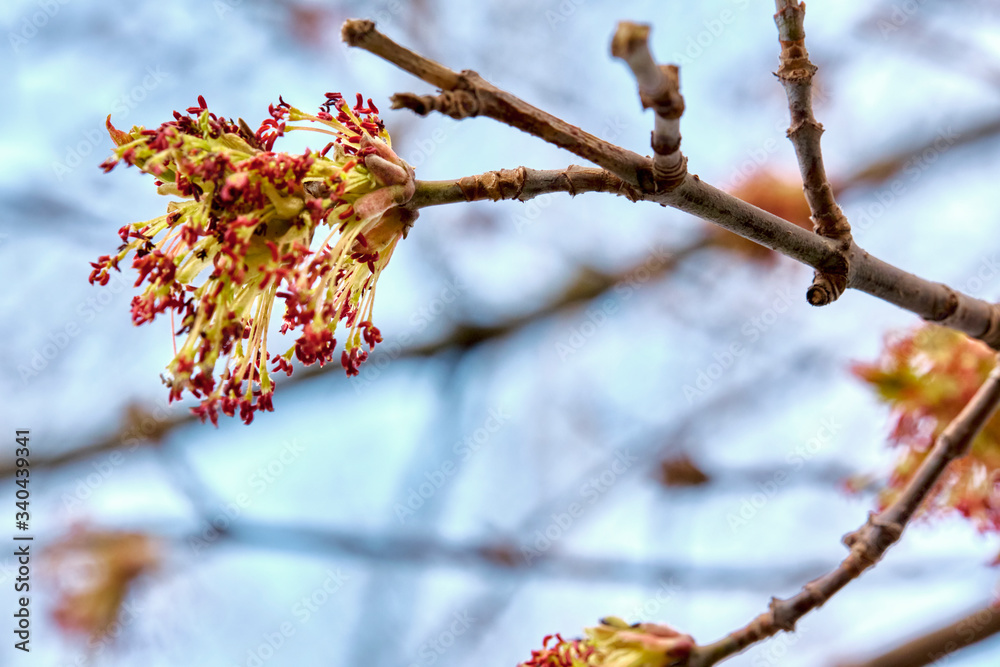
796 74
659 89
869 543
467 94
877 172
932 301
521 184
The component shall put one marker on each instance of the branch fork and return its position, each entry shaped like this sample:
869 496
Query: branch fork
837 259
659 90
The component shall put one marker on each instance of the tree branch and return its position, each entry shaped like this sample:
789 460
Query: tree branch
521 184
494 556
869 543
881 170
933 646
796 75
467 94
932 301
659 89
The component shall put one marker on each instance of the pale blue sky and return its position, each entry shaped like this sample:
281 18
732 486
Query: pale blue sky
362 446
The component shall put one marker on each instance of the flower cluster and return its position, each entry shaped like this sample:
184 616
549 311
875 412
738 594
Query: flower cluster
242 236
927 377
93 572
615 643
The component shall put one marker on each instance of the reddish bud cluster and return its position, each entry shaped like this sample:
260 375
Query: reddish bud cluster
615 643
927 377
93 571
242 236
562 653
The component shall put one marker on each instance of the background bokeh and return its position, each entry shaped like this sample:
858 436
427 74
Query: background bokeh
564 353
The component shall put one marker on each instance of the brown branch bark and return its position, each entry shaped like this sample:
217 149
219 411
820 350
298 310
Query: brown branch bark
935 645
659 89
932 301
521 184
870 542
467 94
796 74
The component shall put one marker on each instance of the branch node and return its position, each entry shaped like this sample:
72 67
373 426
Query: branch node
804 131
570 186
668 176
666 99
659 90
457 104
992 334
826 288
783 616
494 185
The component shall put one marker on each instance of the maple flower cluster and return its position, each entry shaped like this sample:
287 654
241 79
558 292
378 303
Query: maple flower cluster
927 377
241 236
615 643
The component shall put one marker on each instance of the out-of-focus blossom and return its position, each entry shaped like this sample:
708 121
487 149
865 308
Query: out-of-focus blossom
615 643
680 470
241 236
93 571
927 377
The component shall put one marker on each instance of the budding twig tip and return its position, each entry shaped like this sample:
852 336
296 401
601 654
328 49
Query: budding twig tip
628 37
354 31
